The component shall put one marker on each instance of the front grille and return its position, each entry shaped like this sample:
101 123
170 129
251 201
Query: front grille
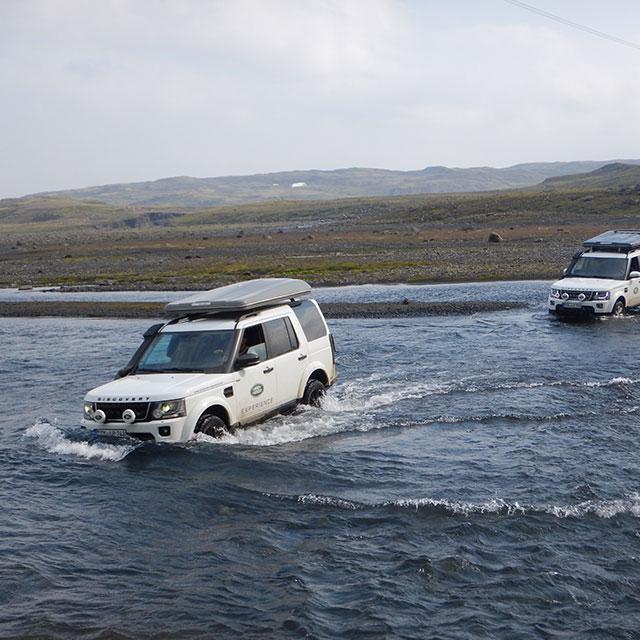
575 295
113 410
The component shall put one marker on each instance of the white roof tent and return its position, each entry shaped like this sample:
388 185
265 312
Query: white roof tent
241 297
620 240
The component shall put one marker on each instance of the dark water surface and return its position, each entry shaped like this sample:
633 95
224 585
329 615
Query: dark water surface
469 477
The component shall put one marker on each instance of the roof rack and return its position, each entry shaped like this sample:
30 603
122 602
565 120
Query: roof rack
618 240
240 297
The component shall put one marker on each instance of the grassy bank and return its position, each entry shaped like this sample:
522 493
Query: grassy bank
426 238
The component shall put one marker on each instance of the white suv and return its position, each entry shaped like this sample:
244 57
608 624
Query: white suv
228 358
604 279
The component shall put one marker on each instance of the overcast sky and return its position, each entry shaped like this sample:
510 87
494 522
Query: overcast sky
94 92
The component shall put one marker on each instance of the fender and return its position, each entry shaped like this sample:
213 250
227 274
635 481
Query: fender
309 369
200 405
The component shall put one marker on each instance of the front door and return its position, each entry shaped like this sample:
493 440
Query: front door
256 387
633 297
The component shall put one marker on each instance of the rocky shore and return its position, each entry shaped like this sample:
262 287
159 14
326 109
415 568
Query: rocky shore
73 309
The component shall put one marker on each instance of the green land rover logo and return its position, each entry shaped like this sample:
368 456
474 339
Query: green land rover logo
257 389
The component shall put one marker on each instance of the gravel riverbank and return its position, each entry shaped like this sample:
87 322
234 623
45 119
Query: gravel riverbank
72 309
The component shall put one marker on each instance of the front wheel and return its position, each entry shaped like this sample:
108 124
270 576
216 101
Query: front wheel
211 426
618 308
313 393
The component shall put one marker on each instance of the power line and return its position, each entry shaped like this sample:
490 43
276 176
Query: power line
575 25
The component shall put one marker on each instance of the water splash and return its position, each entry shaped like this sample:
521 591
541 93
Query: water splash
54 440
305 423
354 407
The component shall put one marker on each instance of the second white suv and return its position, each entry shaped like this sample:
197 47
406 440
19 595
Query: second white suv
604 279
230 357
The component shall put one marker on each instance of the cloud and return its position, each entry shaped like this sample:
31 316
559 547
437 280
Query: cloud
122 90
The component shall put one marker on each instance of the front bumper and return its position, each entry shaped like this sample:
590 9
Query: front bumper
155 431
576 307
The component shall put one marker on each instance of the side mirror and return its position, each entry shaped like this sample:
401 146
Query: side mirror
564 272
247 360
634 274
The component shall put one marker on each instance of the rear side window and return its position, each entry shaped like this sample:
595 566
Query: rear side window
311 320
280 336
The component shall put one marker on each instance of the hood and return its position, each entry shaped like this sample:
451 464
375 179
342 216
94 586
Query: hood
155 387
587 284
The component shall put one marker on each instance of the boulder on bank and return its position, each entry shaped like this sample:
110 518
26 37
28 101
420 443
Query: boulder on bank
495 237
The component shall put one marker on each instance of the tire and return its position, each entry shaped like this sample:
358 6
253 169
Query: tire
313 393
211 426
618 308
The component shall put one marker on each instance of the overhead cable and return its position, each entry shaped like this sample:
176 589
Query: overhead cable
574 25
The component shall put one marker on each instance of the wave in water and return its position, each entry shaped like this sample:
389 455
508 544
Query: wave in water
54 440
629 505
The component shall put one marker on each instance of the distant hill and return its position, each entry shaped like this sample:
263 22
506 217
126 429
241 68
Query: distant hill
323 185
614 175
48 210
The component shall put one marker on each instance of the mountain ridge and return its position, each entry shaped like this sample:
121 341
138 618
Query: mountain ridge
316 184
621 175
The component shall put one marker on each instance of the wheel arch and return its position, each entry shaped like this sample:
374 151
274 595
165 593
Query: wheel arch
315 371
215 410
319 374
214 405
619 298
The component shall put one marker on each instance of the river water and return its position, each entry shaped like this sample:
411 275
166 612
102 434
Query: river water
468 477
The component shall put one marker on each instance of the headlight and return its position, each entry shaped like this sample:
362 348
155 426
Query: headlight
555 293
168 409
601 295
88 410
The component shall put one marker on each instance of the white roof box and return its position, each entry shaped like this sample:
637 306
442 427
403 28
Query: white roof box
616 240
240 297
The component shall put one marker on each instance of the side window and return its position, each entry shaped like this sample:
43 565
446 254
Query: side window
253 342
293 338
281 337
634 265
311 320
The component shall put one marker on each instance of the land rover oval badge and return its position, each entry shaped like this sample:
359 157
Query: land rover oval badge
257 389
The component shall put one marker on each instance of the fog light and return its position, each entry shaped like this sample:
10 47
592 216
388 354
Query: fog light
100 416
129 416
164 431
599 305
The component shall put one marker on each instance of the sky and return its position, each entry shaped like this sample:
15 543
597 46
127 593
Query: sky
129 90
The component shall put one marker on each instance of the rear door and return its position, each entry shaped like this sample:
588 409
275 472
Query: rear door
284 351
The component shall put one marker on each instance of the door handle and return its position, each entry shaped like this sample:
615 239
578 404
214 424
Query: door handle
302 356
268 370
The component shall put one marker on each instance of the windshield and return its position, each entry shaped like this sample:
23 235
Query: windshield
585 267
187 351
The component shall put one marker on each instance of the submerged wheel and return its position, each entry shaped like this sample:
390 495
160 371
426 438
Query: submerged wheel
211 426
313 393
618 308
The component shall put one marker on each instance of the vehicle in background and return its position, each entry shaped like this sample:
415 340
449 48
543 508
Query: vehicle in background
602 279
225 359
